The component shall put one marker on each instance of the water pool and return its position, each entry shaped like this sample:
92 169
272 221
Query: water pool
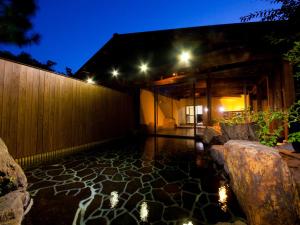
153 181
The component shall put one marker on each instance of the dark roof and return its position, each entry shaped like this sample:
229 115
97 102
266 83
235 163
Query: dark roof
214 48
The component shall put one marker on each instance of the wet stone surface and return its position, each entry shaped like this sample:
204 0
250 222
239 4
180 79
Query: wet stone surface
110 184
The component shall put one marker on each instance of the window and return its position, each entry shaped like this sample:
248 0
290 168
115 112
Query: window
189 111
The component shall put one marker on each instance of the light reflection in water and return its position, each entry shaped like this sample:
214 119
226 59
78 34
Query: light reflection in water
144 212
189 223
114 199
223 197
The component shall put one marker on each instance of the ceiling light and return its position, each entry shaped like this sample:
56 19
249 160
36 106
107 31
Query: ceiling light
185 57
90 80
144 68
115 72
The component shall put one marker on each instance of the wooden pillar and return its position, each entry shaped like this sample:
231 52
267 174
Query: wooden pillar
288 86
259 98
194 103
155 110
208 100
245 96
287 90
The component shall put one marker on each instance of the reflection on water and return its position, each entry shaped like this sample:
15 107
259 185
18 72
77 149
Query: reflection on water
223 197
114 199
152 181
144 212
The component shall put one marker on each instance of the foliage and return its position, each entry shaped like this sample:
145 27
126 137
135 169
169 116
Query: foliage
294 113
293 56
287 43
270 124
294 137
69 72
294 117
15 22
26 58
289 10
246 116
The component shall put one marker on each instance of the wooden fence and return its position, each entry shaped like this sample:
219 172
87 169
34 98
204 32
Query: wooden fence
42 112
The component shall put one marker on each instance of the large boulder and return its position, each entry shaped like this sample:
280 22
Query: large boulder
262 183
212 137
246 131
14 199
12 207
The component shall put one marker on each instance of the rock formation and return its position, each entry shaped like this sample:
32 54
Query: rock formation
212 136
239 131
14 199
262 183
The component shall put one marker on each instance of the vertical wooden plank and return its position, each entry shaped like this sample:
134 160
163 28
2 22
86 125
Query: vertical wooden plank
22 109
41 97
34 111
28 150
10 107
2 74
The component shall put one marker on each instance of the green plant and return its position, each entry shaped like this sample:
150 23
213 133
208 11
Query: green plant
294 137
294 113
270 126
246 116
294 117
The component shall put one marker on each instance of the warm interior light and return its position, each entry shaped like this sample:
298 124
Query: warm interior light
189 223
144 212
90 80
144 67
185 57
221 109
206 109
115 72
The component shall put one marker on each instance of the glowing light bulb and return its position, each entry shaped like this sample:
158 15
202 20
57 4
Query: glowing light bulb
144 212
144 68
206 109
185 57
115 72
221 109
90 80
114 199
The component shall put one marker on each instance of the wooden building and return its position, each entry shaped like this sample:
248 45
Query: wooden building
183 79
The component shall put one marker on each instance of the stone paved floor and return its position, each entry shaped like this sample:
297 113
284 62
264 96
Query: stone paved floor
159 181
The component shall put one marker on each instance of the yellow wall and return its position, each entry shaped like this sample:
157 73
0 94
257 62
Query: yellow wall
229 104
169 108
164 107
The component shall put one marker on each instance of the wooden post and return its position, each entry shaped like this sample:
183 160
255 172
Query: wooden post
194 103
258 98
208 100
155 110
245 96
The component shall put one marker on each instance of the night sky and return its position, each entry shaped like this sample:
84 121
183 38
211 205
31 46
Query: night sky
73 30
